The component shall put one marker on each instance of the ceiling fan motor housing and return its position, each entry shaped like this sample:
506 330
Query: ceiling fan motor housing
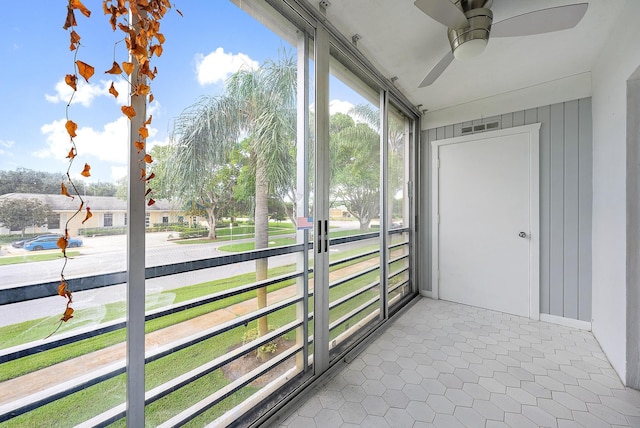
470 41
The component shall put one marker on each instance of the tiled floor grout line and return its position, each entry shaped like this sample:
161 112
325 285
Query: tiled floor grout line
443 364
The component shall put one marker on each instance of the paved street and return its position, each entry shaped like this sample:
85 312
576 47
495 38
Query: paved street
107 254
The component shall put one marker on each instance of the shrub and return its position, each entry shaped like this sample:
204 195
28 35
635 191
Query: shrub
251 334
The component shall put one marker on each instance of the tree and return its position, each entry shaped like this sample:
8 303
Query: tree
356 157
204 137
18 214
24 180
121 188
99 189
355 172
161 167
266 102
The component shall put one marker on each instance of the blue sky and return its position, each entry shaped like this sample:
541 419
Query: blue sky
202 48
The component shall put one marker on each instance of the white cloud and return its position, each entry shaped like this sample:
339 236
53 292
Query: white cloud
218 65
339 106
87 92
108 145
152 143
6 144
118 172
335 106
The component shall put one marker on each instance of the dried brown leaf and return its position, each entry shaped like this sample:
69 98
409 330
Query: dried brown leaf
71 127
139 145
127 67
113 91
85 70
64 191
70 21
88 215
77 4
115 69
71 80
128 111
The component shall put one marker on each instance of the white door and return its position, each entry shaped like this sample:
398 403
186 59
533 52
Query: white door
485 191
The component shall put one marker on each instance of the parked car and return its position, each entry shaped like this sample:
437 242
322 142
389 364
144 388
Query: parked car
20 243
49 243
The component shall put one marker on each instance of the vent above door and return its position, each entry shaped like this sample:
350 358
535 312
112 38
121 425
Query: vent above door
482 127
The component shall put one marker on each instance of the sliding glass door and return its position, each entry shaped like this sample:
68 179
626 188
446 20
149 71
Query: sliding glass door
354 280
280 238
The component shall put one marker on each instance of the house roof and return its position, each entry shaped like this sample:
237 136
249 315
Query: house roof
96 203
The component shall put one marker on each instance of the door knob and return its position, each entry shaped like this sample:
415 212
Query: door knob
522 234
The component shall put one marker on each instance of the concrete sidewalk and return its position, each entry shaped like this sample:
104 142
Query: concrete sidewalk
40 380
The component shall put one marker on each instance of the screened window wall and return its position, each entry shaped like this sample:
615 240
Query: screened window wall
299 244
355 255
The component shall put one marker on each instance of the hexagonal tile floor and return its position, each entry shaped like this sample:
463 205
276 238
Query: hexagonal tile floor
448 365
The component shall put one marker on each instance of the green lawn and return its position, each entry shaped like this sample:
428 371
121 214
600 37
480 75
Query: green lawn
89 402
240 232
249 246
27 258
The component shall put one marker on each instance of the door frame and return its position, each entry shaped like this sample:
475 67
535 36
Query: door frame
533 133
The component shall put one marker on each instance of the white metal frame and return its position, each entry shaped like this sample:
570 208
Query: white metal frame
136 207
533 132
321 204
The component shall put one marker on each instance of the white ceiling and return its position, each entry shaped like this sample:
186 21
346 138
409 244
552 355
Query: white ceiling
402 41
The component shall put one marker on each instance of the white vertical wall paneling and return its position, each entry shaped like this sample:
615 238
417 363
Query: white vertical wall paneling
565 202
531 116
544 117
556 221
571 210
633 230
506 120
457 130
518 118
448 131
585 201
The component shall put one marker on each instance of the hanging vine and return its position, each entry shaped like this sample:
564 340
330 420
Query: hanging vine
143 40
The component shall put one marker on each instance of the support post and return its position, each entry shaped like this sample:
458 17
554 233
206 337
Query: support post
136 207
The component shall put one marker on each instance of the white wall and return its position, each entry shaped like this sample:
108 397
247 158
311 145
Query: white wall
618 59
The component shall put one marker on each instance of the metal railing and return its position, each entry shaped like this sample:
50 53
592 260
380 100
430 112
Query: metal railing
35 291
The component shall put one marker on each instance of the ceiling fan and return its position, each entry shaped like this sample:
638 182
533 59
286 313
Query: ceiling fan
469 24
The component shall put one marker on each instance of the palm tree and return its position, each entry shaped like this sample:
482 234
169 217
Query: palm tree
266 102
204 136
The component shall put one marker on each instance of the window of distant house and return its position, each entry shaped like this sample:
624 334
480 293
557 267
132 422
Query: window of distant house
165 220
125 219
108 219
147 220
180 219
53 221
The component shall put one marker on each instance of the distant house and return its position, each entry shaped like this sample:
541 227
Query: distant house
108 211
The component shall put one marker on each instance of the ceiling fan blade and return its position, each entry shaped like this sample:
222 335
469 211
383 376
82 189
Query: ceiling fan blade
540 21
444 12
437 70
